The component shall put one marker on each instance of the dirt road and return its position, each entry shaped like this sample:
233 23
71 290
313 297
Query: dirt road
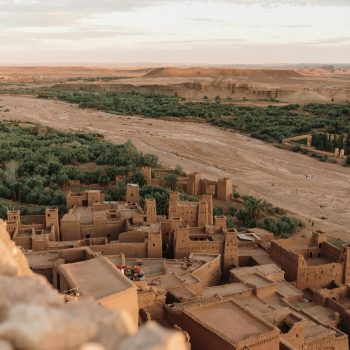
302 185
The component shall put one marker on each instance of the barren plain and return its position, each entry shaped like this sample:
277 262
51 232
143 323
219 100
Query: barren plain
309 188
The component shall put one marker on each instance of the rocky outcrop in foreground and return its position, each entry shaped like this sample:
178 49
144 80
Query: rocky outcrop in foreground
34 316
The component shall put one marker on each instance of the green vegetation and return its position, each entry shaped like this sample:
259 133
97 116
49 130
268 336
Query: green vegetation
267 123
93 79
272 123
282 227
35 162
255 212
172 181
328 142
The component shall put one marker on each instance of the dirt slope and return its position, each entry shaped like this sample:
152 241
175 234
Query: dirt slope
257 168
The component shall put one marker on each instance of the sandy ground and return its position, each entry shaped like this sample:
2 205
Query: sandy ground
300 184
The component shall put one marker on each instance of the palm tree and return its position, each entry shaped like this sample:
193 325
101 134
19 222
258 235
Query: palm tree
254 207
172 181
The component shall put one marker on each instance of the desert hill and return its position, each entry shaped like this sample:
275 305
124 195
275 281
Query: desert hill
223 72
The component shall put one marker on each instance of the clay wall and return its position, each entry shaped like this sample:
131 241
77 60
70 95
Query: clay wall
112 206
264 291
75 200
183 250
320 296
130 250
346 264
24 242
201 337
94 196
345 321
76 254
208 187
188 213
110 230
154 245
193 184
326 342
126 300
34 219
40 245
330 252
230 255
73 183
224 189
288 260
209 274
335 306
318 276
132 193
133 236
147 173
341 343
70 230
295 335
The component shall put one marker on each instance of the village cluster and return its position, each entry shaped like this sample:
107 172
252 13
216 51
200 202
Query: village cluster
223 289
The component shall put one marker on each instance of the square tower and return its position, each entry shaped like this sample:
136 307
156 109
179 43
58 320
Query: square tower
147 173
193 185
51 216
13 221
225 189
133 193
151 210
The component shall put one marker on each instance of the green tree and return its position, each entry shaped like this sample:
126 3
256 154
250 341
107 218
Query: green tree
172 181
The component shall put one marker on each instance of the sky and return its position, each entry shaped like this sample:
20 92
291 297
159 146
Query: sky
174 31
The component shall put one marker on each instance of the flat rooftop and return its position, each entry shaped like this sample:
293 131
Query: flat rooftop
42 260
225 290
255 280
265 270
95 277
229 321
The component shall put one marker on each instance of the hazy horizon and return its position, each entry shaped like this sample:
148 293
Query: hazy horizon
165 32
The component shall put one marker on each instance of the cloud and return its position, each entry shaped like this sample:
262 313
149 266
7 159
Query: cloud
289 2
118 28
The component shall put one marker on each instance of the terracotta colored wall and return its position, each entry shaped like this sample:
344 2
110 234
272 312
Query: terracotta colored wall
126 301
131 250
288 261
70 230
210 273
318 276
